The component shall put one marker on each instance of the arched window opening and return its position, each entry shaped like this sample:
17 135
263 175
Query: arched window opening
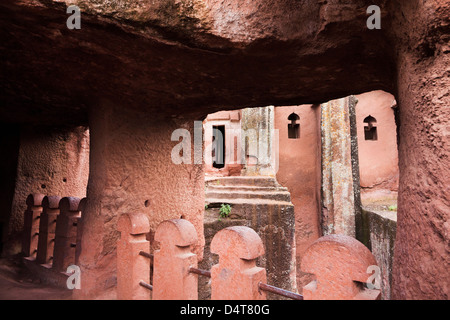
370 129
293 127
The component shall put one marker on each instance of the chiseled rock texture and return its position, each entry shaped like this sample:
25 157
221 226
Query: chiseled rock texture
421 248
185 58
180 60
51 161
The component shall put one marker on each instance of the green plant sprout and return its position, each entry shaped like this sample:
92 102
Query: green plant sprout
224 212
393 208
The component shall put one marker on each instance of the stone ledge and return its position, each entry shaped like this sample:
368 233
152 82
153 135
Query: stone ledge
380 229
45 273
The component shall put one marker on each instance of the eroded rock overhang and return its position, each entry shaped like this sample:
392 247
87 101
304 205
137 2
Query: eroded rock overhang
185 58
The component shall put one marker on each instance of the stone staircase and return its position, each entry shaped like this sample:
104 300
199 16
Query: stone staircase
245 190
265 206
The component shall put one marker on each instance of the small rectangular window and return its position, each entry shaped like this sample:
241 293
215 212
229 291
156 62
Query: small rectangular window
370 133
293 127
370 129
293 131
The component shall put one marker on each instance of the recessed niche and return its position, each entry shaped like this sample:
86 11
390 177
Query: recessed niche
293 127
370 129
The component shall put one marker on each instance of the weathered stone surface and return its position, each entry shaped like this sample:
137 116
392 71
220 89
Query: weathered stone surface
132 171
258 142
300 172
66 234
171 278
132 268
340 170
380 230
271 214
47 227
155 57
378 159
45 155
32 215
236 276
421 252
339 263
212 225
186 63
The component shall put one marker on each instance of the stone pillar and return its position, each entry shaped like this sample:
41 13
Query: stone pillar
47 228
50 161
171 277
66 234
340 173
31 225
378 159
236 277
421 255
132 268
340 264
131 170
258 140
300 160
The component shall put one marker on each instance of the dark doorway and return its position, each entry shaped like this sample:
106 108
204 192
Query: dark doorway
9 144
1 238
218 151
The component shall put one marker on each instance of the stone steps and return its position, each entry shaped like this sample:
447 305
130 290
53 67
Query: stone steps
261 203
238 188
239 201
247 195
245 190
242 181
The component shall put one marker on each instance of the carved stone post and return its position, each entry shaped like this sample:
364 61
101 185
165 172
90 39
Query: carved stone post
341 266
132 268
47 229
236 277
66 234
31 224
172 279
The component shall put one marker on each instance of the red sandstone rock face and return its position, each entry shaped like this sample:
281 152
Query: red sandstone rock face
179 64
378 159
338 262
236 276
51 163
131 170
300 161
421 248
273 52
